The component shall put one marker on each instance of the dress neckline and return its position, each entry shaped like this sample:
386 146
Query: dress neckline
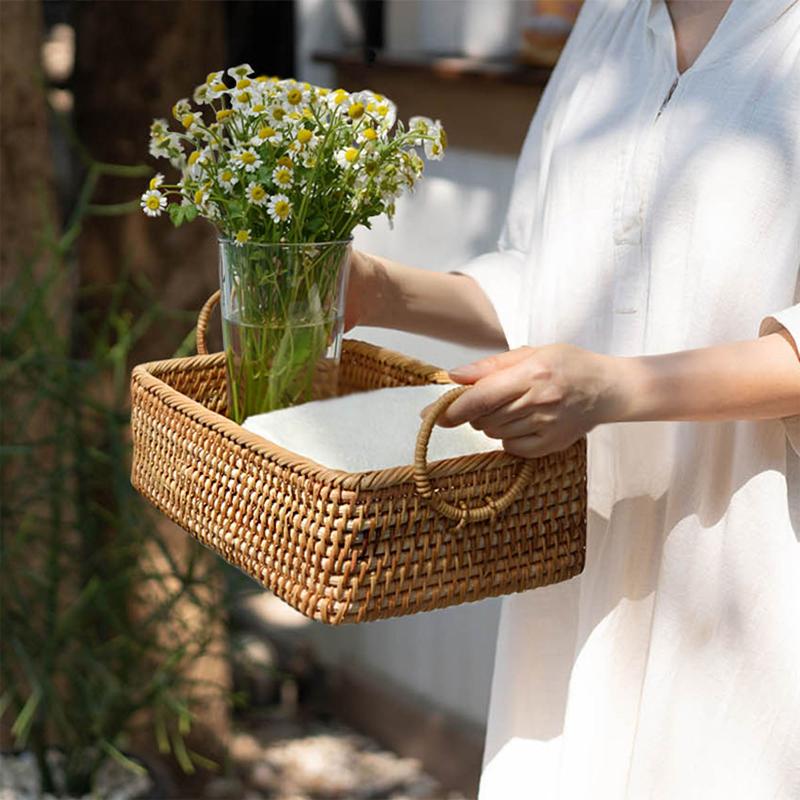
660 20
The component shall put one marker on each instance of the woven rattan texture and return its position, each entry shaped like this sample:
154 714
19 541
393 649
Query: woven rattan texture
348 547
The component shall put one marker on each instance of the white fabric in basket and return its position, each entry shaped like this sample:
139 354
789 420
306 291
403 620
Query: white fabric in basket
366 431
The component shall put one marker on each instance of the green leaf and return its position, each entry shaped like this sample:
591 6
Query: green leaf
177 214
121 758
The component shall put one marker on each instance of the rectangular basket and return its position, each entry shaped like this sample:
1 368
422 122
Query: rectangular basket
341 546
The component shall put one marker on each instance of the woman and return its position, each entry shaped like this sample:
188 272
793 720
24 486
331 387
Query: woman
647 272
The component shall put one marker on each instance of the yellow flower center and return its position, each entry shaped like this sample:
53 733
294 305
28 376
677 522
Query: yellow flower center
259 108
285 161
219 86
243 83
154 183
294 96
199 196
192 160
443 139
356 111
382 110
247 157
351 154
257 193
266 132
282 209
370 134
304 136
153 202
339 96
262 79
224 114
283 176
278 113
242 236
243 97
227 176
187 120
210 77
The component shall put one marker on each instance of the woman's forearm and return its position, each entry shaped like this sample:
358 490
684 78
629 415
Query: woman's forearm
757 379
439 304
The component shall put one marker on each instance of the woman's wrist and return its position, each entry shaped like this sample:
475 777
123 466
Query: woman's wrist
757 379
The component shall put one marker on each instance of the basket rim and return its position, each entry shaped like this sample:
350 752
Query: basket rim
146 375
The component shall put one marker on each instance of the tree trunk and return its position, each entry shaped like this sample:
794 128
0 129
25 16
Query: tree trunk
133 61
27 213
27 200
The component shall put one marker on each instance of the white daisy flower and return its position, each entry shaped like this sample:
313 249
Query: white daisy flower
169 146
182 107
277 116
266 133
153 203
384 112
216 86
248 159
200 94
241 99
242 71
227 178
156 180
257 194
434 150
347 157
279 208
200 197
197 161
420 125
305 139
308 158
338 100
191 120
295 98
242 237
159 128
368 136
282 176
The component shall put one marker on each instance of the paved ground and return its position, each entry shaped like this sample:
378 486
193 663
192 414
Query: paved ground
277 758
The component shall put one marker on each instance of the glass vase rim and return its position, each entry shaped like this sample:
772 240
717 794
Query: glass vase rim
222 241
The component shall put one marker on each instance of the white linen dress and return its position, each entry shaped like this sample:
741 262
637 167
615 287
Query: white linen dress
670 668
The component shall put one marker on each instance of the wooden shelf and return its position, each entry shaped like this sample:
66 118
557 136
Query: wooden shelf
443 67
484 105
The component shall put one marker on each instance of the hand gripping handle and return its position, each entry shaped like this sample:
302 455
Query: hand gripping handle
462 515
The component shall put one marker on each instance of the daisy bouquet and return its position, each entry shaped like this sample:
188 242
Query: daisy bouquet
285 171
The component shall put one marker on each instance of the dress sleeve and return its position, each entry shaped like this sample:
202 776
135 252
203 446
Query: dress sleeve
788 320
500 273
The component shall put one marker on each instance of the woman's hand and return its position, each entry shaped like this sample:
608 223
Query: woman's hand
537 399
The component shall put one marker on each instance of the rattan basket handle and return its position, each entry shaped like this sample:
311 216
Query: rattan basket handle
202 322
462 515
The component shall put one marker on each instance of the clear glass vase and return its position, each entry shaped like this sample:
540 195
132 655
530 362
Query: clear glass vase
282 322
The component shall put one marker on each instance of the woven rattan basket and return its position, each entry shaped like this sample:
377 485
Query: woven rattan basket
352 547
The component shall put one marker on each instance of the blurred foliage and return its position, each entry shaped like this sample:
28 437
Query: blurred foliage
99 618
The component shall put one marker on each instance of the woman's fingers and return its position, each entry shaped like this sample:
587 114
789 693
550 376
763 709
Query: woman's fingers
483 398
523 409
471 373
534 445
